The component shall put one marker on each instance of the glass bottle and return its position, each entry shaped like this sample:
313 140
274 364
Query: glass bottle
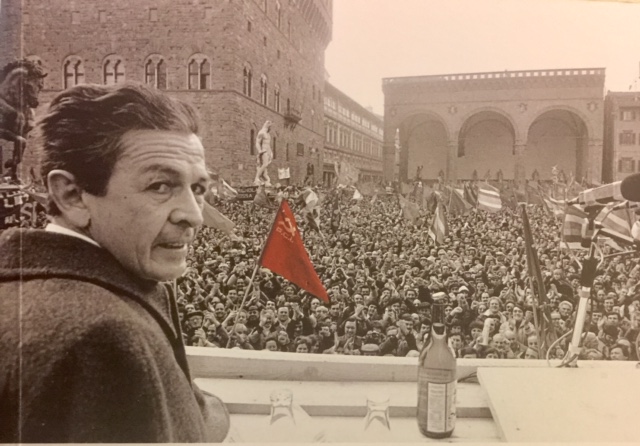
289 423
377 427
437 383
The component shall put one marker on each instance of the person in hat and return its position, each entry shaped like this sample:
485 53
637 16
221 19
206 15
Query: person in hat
92 347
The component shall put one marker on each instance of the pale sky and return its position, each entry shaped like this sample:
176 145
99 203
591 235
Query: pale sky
373 39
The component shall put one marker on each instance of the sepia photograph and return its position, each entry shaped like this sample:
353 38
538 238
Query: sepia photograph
319 221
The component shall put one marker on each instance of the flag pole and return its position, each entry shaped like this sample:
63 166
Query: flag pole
253 275
244 299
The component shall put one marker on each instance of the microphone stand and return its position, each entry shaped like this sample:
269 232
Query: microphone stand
589 269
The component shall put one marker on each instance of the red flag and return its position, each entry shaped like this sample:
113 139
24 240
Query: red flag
285 254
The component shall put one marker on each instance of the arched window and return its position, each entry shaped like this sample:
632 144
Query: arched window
247 78
274 146
252 142
276 98
199 72
155 72
263 89
278 15
113 71
73 72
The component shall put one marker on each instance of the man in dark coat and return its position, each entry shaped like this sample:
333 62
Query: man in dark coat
91 341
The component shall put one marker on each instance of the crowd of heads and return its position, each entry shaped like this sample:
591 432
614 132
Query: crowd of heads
388 282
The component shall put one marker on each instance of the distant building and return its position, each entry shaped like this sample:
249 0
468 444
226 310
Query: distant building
240 62
622 135
506 124
352 133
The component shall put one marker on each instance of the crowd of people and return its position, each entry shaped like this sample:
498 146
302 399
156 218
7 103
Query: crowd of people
388 282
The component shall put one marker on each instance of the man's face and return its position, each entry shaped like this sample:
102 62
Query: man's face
608 305
283 314
613 319
195 321
271 305
565 310
218 311
350 329
321 313
271 346
475 332
500 343
232 294
153 204
617 354
456 342
325 332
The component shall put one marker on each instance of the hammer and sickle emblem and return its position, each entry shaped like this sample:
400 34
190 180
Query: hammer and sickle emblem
287 226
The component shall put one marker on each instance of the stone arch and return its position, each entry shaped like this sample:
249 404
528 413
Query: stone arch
585 119
558 136
486 140
506 115
429 113
424 138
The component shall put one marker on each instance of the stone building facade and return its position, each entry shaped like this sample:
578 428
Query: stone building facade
240 62
352 133
510 125
622 135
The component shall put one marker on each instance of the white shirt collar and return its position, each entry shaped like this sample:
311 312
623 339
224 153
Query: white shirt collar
52 227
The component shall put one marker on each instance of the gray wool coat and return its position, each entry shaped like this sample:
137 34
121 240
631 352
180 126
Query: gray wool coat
90 353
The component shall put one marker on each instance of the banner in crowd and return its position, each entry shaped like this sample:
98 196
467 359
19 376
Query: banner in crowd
285 254
284 173
347 174
246 193
17 205
410 210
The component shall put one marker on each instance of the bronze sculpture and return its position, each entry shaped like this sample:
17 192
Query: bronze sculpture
20 84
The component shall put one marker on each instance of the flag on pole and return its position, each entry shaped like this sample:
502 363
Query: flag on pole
285 254
574 218
533 264
555 206
470 195
214 218
439 229
619 220
410 210
225 191
261 199
357 195
489 198
458 203
308 199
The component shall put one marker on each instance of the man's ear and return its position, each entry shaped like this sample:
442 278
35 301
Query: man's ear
67 196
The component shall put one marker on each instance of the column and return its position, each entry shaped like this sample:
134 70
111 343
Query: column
450 172
519 168
593 165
